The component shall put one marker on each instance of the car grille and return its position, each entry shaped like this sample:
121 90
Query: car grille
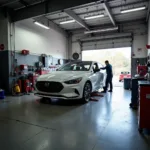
51 87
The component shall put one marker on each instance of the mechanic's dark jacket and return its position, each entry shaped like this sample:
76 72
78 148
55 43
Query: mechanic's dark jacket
108 70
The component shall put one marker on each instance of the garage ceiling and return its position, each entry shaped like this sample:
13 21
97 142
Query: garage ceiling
18 4
88 10
116 6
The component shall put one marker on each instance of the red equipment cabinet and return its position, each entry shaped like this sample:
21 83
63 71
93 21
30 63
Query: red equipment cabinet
142 70
26 86
42 72
33 79
20 85
144 105
23 67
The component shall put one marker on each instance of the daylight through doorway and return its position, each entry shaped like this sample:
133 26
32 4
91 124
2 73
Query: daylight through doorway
120 58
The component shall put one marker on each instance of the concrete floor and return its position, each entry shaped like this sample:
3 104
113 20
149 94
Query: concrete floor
109 124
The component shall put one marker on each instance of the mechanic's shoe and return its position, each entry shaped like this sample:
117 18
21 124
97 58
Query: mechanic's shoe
110 91
103 92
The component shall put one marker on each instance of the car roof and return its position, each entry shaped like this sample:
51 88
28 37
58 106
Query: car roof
83 61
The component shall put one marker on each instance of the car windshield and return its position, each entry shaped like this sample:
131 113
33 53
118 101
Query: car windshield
76 66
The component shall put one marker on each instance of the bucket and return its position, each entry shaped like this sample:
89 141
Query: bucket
2 94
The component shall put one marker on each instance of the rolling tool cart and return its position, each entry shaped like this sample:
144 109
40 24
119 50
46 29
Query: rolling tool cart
144 105
134 92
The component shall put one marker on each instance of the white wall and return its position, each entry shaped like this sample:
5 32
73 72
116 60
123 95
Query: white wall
40 41
139 46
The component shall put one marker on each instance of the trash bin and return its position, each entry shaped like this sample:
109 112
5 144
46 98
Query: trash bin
2 94
134 92
127 83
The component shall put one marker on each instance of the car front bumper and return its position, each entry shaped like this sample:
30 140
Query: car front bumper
69 92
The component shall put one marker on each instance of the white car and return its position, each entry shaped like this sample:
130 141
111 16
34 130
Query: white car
74 80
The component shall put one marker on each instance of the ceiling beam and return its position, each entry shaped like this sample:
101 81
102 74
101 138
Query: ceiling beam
42 8
104 37
9 3
77 19
24 3
105 4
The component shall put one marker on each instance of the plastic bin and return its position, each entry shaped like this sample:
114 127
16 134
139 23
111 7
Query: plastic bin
2 94
127 83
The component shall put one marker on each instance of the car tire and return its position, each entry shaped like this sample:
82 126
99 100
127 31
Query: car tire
87 92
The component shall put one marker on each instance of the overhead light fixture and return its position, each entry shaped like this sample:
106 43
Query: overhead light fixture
101 30
41 25
68 21
133 9
94 17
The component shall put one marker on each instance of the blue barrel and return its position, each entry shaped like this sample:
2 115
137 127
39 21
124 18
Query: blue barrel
127 83
2 94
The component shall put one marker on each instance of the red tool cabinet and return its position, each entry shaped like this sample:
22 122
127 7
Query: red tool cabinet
142 70
144 105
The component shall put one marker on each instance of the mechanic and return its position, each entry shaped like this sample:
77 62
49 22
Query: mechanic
109 77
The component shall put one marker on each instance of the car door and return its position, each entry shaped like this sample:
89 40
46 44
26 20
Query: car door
94 77
97 77
102 76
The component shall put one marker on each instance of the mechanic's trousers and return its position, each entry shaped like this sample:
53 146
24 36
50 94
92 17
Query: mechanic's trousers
108 81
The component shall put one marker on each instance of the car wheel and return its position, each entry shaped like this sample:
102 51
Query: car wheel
87 92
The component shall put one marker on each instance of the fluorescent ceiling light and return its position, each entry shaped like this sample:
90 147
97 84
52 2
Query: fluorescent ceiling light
94 17
133 9
41 25
101 30
68 21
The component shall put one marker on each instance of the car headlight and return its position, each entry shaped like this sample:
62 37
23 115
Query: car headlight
74 81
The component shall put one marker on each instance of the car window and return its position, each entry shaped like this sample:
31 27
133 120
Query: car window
100 65
95 66
76 66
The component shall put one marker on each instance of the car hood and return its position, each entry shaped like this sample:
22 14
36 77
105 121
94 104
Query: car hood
63 75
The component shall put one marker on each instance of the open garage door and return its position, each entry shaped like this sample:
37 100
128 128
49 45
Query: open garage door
106 42
120 59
